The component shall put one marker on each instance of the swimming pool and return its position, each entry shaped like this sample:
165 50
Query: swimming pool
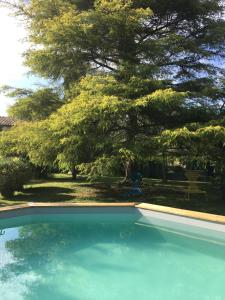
109 253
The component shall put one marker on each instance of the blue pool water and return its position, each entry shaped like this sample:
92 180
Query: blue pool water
106 257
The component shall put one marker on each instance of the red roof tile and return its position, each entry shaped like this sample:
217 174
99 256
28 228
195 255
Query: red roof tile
7 121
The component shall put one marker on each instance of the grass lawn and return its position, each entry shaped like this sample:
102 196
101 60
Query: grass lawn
61 188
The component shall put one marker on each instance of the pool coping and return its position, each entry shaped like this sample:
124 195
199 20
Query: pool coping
151 207
59 204
183 213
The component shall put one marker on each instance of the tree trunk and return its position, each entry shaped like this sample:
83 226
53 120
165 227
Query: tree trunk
164 169
74 173
132 130
222 183
127 171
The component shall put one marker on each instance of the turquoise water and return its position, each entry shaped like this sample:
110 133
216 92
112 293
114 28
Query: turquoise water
106 257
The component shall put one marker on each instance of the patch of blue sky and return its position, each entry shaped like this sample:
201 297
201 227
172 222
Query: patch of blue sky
12 71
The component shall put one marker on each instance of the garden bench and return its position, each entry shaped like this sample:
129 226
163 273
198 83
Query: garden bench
193 184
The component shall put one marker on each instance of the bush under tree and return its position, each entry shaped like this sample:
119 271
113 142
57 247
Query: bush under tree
14 173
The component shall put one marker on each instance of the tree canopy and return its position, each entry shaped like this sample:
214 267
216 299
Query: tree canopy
177 39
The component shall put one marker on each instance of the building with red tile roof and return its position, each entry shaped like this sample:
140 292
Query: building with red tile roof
6 122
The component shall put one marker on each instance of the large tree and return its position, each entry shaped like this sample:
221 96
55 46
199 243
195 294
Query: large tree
107 120
152 65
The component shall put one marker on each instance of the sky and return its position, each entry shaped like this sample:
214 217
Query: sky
12 71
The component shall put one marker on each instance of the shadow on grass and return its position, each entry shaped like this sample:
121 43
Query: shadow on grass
104 193
66 179
45 194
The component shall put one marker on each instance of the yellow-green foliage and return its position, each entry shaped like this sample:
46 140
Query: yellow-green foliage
101 122
161 99
204 144
31 140
94 122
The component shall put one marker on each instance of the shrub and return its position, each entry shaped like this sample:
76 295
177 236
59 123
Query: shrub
14 173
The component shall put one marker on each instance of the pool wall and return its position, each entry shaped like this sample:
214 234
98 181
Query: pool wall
39 207
65 208
170 219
